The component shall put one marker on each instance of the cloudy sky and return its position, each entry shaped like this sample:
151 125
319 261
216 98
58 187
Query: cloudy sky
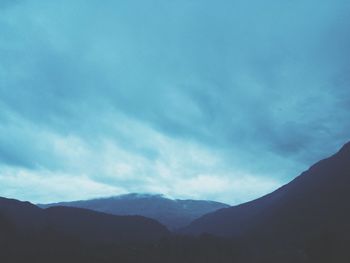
224 100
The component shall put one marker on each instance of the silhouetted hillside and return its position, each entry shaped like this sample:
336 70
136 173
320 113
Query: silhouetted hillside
172 213
25 217
74 235
89 225
313 210
82 224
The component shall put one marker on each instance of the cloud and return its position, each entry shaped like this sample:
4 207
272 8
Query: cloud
156 96
46 186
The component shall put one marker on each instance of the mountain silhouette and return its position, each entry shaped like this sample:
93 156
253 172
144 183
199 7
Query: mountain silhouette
304 221
21 217
172 213
308 213
26 219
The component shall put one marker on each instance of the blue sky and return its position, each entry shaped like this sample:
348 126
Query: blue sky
223 100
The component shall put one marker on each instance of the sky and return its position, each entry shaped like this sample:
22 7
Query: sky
224 100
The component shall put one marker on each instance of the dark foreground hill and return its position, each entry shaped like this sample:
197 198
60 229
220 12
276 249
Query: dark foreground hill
73 235
23 219
172 213
311 214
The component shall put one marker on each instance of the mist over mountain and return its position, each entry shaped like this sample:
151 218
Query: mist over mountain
173 213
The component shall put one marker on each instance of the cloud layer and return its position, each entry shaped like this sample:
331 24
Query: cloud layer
192 99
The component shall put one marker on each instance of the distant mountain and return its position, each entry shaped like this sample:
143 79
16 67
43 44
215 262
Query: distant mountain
172 213
311 213
27 220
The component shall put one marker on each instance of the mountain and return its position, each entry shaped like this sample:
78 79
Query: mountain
74 235
311 213
21 217
172 213
27 220
305 221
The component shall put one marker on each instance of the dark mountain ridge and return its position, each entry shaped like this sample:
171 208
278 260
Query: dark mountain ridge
323 184
314 206
26 219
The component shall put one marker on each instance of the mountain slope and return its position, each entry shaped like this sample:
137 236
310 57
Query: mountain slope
93 226
313 207
28 220
23 217
172 213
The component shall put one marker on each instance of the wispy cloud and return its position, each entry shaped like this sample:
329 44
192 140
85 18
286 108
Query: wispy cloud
196 99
